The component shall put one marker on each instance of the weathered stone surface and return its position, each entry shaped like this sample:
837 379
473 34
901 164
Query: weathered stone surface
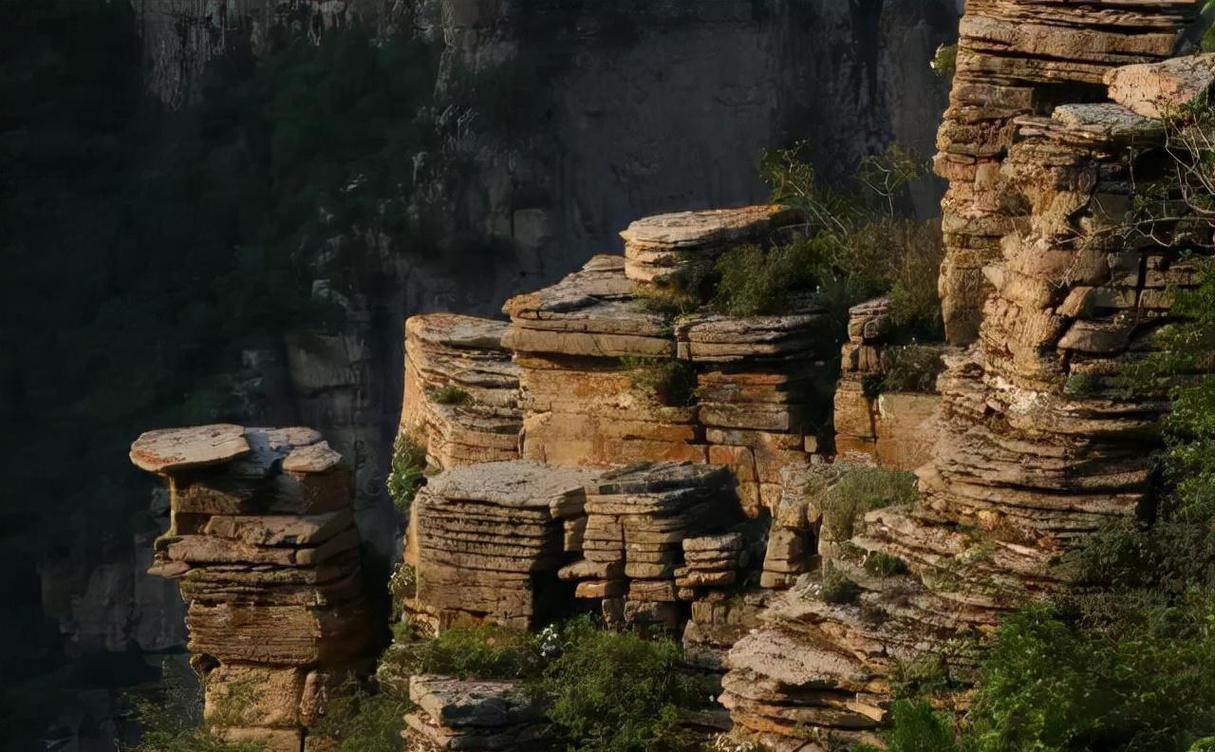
169 449
591 312
1155 90
263 545
454 714
463 357
656 248
488 535
1016 58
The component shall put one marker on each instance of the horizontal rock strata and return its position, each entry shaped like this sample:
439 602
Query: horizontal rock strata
490 539
658 250
461 390
455 714
1040 443
263 546
1015 58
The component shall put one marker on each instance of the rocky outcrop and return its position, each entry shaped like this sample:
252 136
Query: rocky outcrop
263 546
607 376
461 390
490 538
1017 58
454 714
1040 441
893 427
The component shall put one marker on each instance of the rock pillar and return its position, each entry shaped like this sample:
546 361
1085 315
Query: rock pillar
263 545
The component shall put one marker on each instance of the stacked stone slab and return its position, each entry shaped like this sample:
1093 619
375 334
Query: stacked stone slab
1015 58
581 403
760 393
490 539
663 251
638 520
1039 445
263 546
462 357
472 715
891 428
792 544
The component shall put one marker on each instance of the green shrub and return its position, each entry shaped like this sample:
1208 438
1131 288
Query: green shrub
884 565
359 721
945 61
481 651
917 727
1082 385
617 692
173 721
672 382
406 473
836 588
911 368
448 394
858 490
1141 680
759 282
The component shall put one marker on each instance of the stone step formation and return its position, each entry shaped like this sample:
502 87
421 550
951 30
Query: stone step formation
472 715
461 390
263 545
1018 58
489 540
1026 463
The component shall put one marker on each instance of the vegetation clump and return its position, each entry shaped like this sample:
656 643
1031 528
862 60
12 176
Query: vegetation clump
617 691
836 588
672 382
407 471
857 490
911 368
448 394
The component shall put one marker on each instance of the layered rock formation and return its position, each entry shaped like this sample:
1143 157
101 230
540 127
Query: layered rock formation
607 376
890 426
461 390
1040 442
455 714
1016 58
262 544
490 539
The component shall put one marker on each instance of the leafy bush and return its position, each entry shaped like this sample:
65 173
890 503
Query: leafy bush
911 368
945 61
448 394
617 692
481 651
360 721
406 474
173 721
758 282
858 490
918 727
1140 681
884 565
672 382
854 245
836 588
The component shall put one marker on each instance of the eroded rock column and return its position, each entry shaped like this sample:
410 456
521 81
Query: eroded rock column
263 545
1023 57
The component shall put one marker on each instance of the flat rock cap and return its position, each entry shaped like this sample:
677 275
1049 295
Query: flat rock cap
169 449
690 229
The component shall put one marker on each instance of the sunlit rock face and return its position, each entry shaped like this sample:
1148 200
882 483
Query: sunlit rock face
263 546
1040 439
1023 57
